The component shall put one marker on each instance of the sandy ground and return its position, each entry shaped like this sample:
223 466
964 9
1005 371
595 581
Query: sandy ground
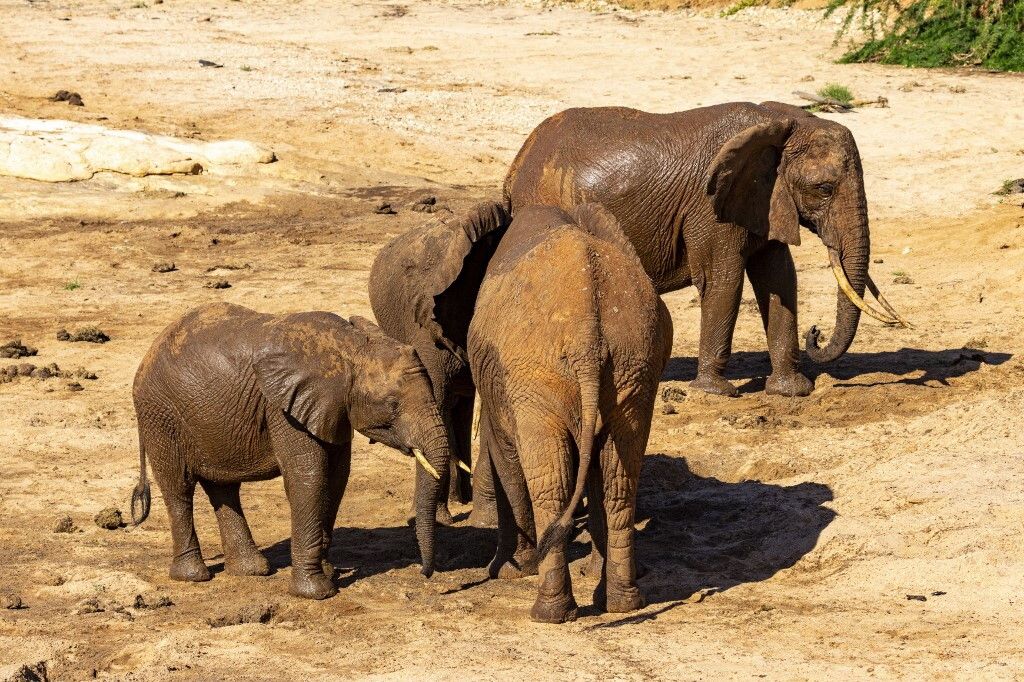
782 537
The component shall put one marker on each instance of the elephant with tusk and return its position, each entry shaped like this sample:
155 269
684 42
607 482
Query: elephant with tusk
709 194
228 395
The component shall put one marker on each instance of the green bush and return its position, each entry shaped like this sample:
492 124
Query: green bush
987 33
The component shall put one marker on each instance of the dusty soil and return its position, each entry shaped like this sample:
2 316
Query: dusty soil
873 529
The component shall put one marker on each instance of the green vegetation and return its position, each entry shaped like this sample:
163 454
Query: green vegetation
988 33
71 286
740 6
836 91
1009 187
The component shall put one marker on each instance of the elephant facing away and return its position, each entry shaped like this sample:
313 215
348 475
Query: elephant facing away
423 286
567 368
706 194
227 395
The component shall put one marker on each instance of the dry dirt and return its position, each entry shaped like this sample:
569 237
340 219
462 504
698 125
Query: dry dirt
873 529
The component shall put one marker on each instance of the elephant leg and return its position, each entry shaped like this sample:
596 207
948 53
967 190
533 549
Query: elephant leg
773 278
462 446
719 307
485 509
547 460
178 489
339 464
516 555
241 556
304 463
617 591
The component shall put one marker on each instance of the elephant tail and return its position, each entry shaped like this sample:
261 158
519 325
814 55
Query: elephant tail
141 497
558 532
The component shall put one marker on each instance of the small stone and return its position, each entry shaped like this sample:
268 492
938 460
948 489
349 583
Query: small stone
425 204
90 605
384 208
25 369
41 373
218 284
668 408
65 524
83 373
12 601
902 279
807 79
165 267
878 260
72 98
75 387
916 597
88 334
160 602
673 394
109 518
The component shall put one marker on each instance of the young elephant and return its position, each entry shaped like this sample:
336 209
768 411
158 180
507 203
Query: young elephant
567 345
423 286
227 395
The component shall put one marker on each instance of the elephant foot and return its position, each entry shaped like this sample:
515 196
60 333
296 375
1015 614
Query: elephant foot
618 600
312 585
562 609
190 568
248 563
484 514
714 384
791 385
519 566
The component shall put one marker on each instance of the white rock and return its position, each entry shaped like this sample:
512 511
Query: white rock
62 151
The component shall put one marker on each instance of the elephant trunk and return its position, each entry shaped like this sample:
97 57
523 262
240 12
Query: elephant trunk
849 253
434 457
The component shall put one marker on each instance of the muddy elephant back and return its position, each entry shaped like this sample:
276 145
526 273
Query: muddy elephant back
177 347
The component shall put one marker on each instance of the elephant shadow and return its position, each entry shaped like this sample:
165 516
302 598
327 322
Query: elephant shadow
359 553
707 535
938 366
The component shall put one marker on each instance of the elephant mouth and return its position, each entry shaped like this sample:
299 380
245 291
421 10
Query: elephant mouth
890 316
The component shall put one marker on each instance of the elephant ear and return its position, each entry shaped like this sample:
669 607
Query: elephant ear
300 369
599 221
745 185
455 259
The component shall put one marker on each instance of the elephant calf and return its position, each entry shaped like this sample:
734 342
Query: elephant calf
567 345
227 395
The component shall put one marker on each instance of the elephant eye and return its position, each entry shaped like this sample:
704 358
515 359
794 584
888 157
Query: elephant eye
826 188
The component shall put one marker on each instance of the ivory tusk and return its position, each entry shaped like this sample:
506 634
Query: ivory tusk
465 467
425 464
873 288
847 288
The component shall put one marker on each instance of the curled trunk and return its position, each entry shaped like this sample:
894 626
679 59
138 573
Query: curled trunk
853 244
428 491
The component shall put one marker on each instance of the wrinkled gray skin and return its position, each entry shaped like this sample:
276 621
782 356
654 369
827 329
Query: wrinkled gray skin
567 369
227 395
707 194
423 286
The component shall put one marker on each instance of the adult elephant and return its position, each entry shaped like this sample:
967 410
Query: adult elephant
423 286
707 194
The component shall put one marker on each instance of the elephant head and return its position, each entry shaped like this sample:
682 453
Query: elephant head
423 288
797 169
328 376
